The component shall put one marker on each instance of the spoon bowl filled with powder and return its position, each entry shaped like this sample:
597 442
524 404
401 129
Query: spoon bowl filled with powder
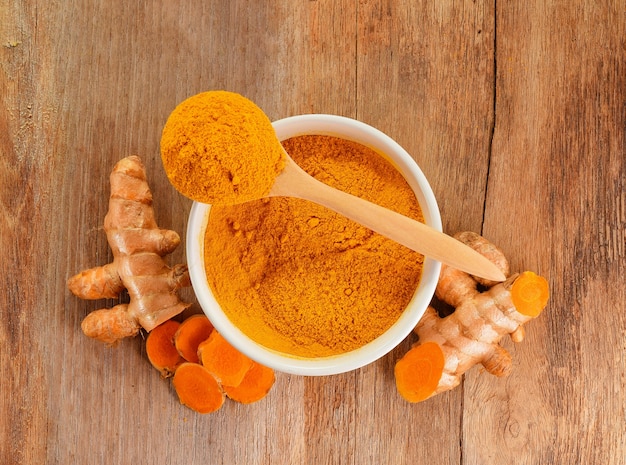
300 288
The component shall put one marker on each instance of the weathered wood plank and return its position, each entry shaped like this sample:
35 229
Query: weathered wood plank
425 77
557 173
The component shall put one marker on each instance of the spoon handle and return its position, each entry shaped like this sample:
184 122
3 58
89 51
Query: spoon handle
295 182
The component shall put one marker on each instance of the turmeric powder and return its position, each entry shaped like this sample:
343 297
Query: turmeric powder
305 281
218 147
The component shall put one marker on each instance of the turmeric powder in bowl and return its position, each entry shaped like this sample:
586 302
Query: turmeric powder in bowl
302 280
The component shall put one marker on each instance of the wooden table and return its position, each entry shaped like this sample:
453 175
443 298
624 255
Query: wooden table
515 111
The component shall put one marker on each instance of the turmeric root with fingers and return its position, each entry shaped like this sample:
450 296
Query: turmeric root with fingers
138 247
448 347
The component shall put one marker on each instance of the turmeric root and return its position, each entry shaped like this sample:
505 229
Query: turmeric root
448 347
197 388
138 247
456 286
161 350
194 330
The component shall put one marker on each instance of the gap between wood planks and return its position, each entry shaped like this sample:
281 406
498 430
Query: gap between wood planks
492 129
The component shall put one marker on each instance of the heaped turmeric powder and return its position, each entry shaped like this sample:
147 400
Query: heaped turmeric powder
218 147
303 280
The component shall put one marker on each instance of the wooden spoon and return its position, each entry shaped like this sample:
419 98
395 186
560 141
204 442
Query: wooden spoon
293 181
231 131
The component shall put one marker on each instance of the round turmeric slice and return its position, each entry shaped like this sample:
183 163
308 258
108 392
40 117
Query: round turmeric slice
419 371
160 348
190 334
225 362
197 388
255 385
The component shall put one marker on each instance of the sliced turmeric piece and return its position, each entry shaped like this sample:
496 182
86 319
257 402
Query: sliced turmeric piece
418 372
530 293
197 388
255 385
222 360
190 334
161 350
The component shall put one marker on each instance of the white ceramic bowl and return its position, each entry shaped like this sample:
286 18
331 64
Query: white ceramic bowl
350 129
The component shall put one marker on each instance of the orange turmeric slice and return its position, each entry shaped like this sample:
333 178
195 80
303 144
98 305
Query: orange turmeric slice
222 360
530 293
255 385
160 348
190 334
197 388
419 371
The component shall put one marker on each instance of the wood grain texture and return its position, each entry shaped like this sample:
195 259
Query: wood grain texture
515 111
559 162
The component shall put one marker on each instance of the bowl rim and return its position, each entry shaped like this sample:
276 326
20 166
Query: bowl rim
351 129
